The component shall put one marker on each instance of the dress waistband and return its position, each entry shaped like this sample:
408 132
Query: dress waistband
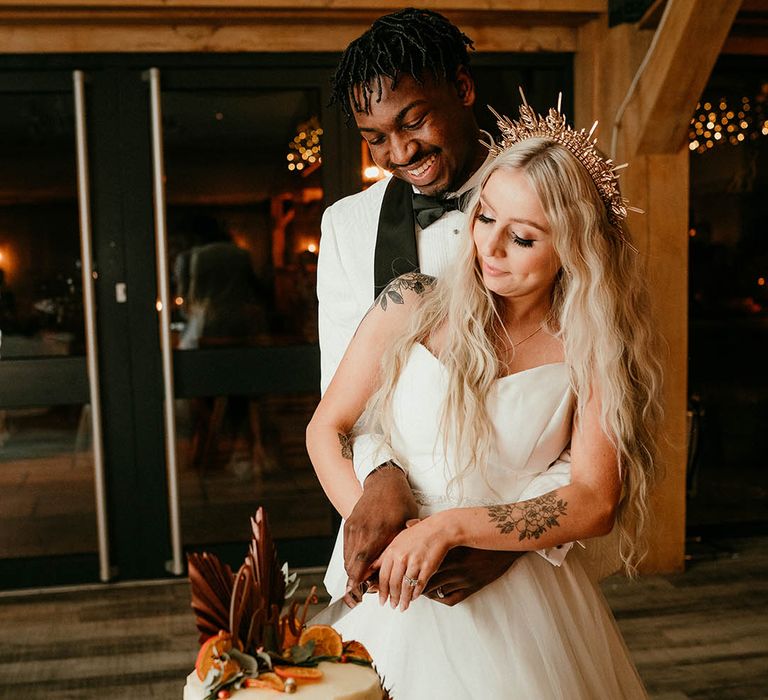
434 499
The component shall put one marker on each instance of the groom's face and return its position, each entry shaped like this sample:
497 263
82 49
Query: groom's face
424 134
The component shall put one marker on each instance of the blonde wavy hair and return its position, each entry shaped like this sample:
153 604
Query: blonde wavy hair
599 309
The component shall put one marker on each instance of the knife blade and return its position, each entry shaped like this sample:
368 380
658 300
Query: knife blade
332 614
336 610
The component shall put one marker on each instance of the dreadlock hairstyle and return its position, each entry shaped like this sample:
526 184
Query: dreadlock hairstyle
411 42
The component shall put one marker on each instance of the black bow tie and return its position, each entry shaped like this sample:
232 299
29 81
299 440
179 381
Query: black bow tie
428 209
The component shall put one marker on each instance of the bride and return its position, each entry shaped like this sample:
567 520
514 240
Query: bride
538 340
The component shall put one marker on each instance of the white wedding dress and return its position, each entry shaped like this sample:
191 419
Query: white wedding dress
540 632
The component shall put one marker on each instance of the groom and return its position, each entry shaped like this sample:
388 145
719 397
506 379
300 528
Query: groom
406 84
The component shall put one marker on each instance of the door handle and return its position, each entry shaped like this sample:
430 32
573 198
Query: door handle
89 304
175 566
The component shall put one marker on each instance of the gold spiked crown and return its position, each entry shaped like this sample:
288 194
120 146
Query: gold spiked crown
580 143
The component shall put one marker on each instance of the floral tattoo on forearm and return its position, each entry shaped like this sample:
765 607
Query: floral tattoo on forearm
393 292
529 519
346 446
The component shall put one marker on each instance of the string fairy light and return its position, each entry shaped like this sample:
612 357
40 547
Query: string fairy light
716 122
305 149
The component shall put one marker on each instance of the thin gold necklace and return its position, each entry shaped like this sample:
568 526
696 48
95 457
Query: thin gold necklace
527 337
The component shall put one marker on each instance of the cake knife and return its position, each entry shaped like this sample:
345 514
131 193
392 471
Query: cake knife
336 610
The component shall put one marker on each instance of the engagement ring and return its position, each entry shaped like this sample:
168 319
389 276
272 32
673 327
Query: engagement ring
413 582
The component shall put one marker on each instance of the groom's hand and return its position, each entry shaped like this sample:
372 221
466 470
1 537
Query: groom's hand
465 571
378 516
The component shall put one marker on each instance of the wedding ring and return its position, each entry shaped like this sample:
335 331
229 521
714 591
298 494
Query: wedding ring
413 582
439 592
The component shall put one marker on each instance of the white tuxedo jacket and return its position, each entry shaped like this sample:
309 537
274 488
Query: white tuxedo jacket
345 271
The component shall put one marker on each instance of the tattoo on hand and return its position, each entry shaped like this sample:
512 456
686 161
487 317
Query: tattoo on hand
346 446
415 281
529 519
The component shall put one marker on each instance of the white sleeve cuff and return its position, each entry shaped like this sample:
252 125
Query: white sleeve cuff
369 451
556 555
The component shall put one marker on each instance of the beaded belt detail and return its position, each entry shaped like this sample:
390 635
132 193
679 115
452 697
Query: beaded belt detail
433 499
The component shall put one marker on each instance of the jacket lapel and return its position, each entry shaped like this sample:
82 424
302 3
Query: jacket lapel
396 236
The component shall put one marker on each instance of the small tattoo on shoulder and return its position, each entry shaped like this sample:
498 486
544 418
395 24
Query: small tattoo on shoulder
393 292
529 519
346 446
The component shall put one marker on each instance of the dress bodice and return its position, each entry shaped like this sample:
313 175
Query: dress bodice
531 412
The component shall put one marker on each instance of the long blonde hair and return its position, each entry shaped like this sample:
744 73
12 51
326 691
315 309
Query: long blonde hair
599 308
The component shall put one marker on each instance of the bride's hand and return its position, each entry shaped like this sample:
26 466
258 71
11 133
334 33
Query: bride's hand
409 561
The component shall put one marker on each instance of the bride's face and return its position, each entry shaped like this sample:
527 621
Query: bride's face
512 238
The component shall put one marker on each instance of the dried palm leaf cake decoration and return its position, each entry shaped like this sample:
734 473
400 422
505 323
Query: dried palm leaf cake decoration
250 645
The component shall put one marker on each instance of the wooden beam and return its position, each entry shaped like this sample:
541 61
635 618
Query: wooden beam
746 45
690 40
275 35
380 6
81 26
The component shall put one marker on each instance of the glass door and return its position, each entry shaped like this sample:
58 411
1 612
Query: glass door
247 174
52 513
249 159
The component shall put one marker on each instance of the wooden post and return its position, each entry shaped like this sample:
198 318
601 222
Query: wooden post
650 134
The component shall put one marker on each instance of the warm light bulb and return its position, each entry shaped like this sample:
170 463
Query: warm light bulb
312 248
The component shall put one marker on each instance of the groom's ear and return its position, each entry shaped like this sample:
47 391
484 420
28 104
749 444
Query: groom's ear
465 86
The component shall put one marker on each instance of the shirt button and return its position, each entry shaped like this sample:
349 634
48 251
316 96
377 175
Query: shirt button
455 232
